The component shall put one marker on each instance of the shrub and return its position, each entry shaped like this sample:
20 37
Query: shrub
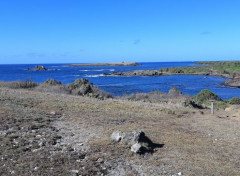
53 82
234 100
22 84
174 92
206 95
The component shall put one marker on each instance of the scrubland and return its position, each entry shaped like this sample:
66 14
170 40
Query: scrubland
56 133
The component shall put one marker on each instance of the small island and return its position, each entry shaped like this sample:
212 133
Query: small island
104 64
38 68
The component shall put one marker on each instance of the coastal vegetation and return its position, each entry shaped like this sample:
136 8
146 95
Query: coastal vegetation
227 69
224 68
234 100
50 133
82 87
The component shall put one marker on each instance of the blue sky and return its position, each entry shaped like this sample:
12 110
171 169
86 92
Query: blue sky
79 31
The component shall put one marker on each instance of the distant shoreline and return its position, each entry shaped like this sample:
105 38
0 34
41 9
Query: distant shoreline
226 69
104 64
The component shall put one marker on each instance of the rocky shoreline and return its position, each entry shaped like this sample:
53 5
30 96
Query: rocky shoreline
234 79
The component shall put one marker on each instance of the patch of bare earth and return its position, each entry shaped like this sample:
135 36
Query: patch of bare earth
54 134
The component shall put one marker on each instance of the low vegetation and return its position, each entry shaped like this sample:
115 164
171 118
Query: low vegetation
206 95
80 87
223 67
48 134
28 84
234 100
227 68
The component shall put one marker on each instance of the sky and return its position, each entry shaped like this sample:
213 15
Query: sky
87 31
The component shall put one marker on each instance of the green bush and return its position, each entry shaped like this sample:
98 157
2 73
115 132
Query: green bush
206 95
53 82
234 100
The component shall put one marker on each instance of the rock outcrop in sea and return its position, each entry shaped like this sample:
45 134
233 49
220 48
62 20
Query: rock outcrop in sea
38 68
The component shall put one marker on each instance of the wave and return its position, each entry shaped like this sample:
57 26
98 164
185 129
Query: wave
75 75
94 76
98 70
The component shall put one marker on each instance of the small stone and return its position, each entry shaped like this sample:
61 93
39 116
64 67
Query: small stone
74 171
179 173
80 144
136 148
117 136
100 160
53 113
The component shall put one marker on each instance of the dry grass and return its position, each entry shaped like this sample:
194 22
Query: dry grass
195 143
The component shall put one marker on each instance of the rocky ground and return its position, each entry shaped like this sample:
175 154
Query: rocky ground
57 134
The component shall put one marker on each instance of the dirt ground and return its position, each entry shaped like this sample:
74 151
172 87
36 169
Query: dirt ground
57 134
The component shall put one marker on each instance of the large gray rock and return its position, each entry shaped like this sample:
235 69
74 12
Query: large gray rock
136 140
128 138
81 87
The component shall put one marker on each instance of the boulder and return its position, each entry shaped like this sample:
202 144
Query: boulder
81 87
137 141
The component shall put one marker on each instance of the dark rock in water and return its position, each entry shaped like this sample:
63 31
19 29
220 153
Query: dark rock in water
136 140
38 68
53 82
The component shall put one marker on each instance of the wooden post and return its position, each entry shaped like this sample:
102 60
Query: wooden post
212 106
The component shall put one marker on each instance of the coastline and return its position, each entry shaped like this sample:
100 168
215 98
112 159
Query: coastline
209 69
104 64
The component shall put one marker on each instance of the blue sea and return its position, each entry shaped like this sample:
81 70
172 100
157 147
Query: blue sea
116 85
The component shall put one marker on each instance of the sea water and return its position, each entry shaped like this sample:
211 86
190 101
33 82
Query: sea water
188 84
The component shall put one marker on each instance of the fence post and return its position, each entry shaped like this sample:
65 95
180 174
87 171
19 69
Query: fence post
212 106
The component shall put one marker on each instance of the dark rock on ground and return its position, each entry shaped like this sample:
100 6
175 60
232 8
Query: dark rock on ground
81 87
84 87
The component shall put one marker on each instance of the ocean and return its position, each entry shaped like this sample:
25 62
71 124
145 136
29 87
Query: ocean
188 84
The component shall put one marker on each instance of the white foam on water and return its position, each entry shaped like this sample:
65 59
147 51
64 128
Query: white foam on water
94 76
